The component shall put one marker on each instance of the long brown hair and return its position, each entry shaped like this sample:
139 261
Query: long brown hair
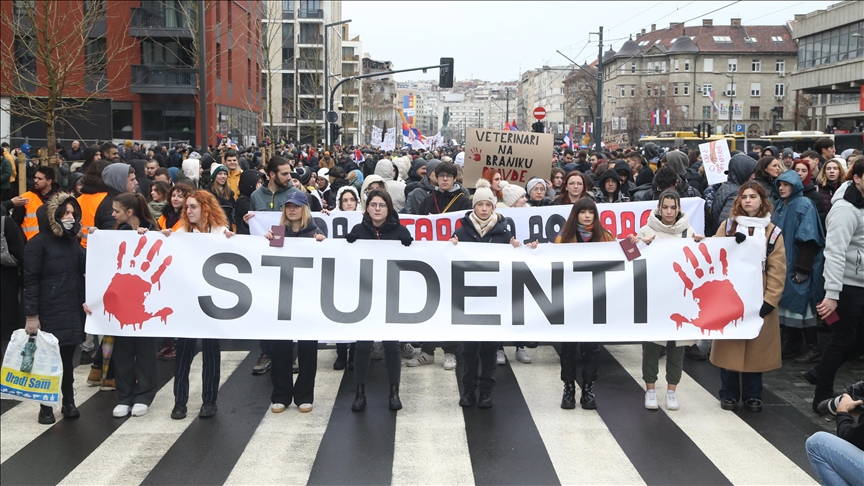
822 179
139 207
391 213
587 184
212 214
738 209
598 233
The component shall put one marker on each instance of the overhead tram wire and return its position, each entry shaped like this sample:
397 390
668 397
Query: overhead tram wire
633 17
774 12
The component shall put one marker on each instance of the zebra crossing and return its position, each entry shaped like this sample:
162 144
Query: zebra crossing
525 438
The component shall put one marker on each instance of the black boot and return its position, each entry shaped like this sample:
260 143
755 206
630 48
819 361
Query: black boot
588 402
360 399
568 401
468 398
395 403
693 352
793 343
813 354
485 400
46 415
69 410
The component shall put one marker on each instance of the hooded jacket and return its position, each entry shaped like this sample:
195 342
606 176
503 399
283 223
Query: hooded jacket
392 229
630 186
804 243
263 199
333 190
500 233
114 176
248 180
416 197
308 232
384 169
741 167
54 266
617 196
844 249
192 170
439 202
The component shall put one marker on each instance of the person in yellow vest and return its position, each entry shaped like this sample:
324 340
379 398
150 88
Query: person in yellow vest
92 194
43 189
234 171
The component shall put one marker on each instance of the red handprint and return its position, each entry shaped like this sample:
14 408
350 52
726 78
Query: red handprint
125 296
718 301
475 154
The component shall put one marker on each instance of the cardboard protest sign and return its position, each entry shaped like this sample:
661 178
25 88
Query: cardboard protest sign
518 156
715 158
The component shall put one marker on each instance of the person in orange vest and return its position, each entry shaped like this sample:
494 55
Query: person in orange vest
42 190
92 194
234 171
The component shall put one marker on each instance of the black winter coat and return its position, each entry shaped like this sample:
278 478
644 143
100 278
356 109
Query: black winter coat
436 202
307 232
392 229
500 233
54 266
812 193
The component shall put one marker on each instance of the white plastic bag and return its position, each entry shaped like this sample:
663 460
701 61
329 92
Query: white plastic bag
42 383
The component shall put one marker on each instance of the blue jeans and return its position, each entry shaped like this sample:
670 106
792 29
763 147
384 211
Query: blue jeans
740 386
836 461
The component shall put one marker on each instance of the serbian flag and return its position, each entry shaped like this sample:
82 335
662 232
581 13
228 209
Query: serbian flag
515 126
568 139
412 136
713 104
507 126
358 155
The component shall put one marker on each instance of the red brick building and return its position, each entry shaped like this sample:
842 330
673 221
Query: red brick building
147 84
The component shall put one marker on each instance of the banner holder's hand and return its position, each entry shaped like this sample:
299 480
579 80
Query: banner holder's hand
514 242
228 233
454 240
698 238
141 231
320 237
247 217
87 309
533 244
167 232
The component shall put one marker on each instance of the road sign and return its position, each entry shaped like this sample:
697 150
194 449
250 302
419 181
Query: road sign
332 117
539 113
739 127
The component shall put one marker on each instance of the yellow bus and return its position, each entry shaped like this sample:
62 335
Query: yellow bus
692 141
798 141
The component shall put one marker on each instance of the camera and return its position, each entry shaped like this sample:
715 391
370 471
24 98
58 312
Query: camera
829 406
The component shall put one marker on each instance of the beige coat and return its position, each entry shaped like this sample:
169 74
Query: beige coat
763 352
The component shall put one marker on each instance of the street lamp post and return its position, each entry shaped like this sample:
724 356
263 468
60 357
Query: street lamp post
327 76
731 91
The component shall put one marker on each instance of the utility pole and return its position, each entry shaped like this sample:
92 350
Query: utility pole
202 75
598 118
327 108
507 105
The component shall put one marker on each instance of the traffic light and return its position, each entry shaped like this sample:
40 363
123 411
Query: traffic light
445 73
698 130
537 127
335 131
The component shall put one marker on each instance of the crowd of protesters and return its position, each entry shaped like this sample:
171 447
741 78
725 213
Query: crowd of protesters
807 211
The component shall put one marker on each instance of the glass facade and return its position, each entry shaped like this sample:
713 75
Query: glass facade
835 45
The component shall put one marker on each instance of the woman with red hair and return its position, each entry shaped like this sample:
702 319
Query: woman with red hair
802 167
494 178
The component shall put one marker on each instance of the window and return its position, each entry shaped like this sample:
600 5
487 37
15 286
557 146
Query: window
754 112
24 6
95 57
633 67
722 38
708 65
561 107
732 65
781 65
288 7
756 65
676 64
643 43
778 110
622 90
663 66
656 67
779 89
706 89
750 40
776 38
632 91
686 89
95 5
706 112
755 89
731 89
675 89
687 64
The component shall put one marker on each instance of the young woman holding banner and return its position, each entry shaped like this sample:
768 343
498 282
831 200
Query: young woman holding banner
666 222
482 225
380 222
742 361
582 226
576 186
298 223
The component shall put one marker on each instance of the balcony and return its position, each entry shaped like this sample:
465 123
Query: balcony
310 65
159 23
310 91
313 40
163 80
354 58
311 15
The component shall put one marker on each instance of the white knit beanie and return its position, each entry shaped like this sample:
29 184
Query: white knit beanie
511 193
484 193
533 182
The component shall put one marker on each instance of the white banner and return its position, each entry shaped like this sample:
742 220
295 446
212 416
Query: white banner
528 224
715 158
203 285
389 142
377 135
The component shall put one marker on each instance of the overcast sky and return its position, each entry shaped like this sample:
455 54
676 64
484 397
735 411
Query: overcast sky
497 41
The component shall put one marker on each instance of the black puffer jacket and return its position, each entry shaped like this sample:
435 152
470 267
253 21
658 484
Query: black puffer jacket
307 232
54 266
248 181
392 229
500 233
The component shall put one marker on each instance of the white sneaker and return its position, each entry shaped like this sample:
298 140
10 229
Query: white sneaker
501 358
377 351
121 411
305 407
277 407
671 400
449 361
408 351
522 356
139 409
420 360
651 400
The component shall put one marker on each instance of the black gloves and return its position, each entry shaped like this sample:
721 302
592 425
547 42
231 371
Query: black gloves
351 237
766 309
406 240
740 237
799 277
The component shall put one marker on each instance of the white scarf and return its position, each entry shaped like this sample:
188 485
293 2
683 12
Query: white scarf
758 225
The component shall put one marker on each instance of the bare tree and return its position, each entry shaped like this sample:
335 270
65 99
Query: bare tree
580 95
271 47
54 60
801 113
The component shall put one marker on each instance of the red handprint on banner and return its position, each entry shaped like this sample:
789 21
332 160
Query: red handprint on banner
718 301
476 154
125 296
